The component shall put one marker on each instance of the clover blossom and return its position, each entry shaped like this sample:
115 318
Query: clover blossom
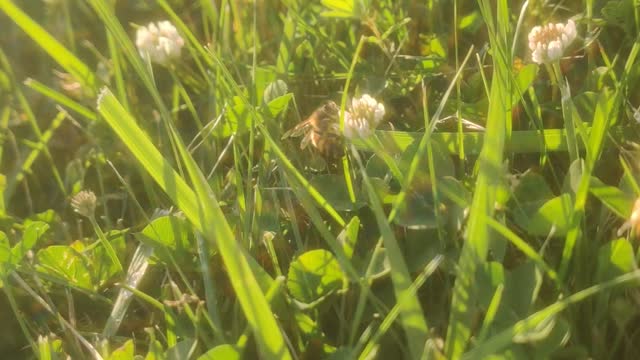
548 43
160 42
363 117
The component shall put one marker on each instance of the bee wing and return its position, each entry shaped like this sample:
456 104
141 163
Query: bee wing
296 131
305 140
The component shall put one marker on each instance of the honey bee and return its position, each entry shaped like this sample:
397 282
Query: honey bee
322 129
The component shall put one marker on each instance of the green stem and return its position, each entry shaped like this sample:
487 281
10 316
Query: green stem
567 111
343 104
107 245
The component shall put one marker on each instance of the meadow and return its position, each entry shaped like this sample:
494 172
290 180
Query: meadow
327 179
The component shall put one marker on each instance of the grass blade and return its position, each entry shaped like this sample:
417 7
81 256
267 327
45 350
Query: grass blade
503 339
412 317
604 115
202 209
61 99
476 246
137 269
48 43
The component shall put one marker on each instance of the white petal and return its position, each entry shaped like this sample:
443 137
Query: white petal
537 54
570 32
533 34
166 27
354 103
378 114
554 52
160 42
179 42
142 36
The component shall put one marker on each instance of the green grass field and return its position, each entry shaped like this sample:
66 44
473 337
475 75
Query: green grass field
156 204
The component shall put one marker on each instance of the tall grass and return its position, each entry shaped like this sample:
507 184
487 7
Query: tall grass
491 214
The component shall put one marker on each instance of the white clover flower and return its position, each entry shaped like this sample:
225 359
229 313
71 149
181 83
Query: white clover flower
159 41
355 127
364 116
548 43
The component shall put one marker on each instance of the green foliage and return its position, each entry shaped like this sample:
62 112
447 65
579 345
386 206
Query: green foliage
332 187
124 352
170 236
85 267
614 259
552 218
313 275
225 351
492 214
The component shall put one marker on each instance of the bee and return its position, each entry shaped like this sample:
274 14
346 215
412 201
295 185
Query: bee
321 129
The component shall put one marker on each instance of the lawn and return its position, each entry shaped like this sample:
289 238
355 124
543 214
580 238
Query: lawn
334 179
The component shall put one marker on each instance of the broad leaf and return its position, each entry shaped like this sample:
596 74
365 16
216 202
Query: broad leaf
32 233
612 197
313 275
614 259
66 262
124 352
170 236
554 214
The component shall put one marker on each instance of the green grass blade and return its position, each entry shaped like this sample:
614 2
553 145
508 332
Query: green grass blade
476 245
343 106
506 337
604 115
210 292
61 99
118 70
135 272
526 249
288 166
251 298
205 214
13 304
48 43
273 145
26 164
44 347
149 157
106 13
412 317
195 46
567 114
32 121
521 142
429 269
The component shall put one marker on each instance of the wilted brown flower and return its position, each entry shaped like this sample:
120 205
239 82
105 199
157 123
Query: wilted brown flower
84 203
